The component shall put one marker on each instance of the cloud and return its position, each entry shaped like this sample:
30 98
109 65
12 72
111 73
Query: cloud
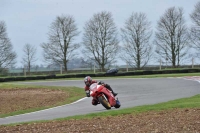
28 21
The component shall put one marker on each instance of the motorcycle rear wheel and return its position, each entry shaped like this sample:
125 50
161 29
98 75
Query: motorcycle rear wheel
104 102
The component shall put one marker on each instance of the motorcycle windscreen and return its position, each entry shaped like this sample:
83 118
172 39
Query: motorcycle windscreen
93 86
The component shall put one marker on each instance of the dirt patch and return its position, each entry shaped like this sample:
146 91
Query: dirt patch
176 120
22 99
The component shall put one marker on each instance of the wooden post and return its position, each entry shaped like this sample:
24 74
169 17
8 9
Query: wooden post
192 62
24 71
94 69
60 68
160 64
126 66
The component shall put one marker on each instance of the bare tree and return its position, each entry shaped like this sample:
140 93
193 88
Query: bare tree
60 48
195 29
29 56
7 55
172 38
136 49
100 39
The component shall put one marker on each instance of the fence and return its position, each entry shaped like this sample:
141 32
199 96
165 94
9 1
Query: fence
55 71
133 73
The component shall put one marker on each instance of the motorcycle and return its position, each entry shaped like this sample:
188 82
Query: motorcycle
104 96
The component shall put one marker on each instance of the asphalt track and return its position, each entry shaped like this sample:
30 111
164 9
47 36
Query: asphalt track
131 92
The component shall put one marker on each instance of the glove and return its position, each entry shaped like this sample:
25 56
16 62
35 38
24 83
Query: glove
87 93
100 82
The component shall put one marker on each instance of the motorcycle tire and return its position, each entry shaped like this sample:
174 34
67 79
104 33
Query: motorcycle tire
104 102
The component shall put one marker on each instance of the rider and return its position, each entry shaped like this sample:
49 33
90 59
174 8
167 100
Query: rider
88 81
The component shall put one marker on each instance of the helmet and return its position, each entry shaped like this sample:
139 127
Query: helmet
88 80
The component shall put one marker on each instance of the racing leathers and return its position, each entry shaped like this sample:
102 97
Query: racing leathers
94 101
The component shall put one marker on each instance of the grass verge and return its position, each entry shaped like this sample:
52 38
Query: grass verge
164 75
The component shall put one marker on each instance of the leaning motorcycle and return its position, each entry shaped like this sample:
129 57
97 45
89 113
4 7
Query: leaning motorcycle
104 96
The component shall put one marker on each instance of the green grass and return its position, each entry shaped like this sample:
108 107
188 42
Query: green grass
75 94
162 75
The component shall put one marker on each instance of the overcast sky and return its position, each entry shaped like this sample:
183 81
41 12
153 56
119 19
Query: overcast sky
28 21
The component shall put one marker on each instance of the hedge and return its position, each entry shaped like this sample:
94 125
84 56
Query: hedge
53 76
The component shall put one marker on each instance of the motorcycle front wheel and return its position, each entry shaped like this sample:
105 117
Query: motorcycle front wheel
104 102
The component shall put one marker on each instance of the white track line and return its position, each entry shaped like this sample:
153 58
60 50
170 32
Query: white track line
48 108
193 78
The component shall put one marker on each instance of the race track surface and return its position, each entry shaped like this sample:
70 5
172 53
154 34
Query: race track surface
131 92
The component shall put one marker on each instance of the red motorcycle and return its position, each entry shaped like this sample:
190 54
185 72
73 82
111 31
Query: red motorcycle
104 96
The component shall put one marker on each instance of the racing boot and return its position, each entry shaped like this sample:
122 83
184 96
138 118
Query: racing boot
115 94
109 88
